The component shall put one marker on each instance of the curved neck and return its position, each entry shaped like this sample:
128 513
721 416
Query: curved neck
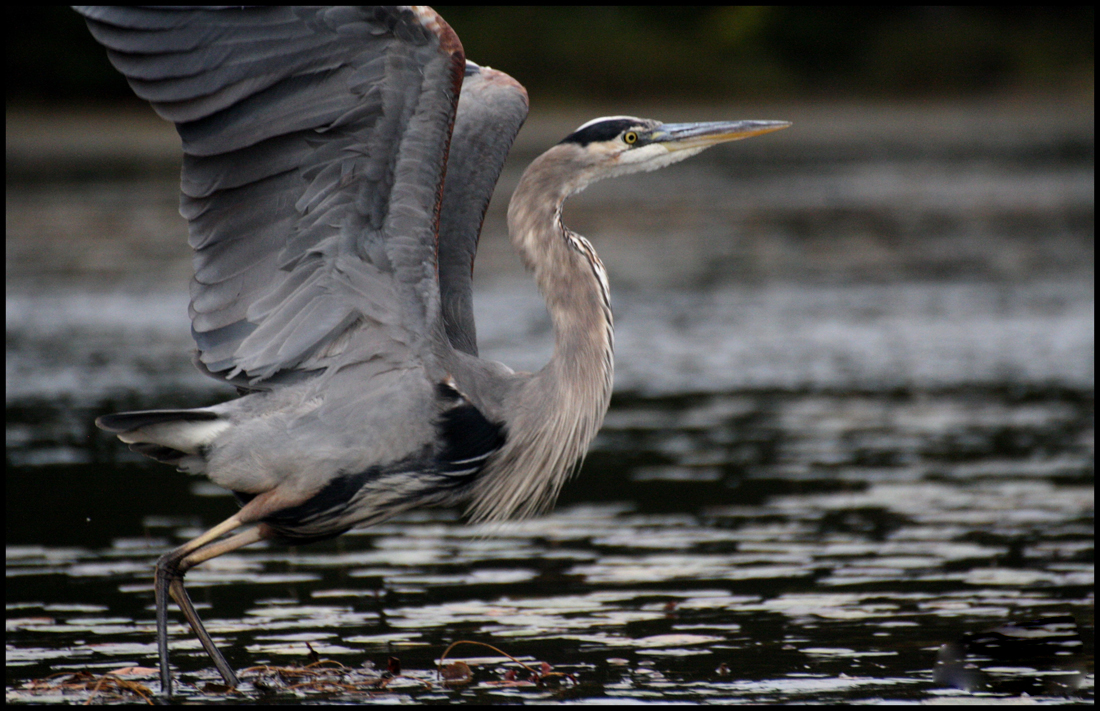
572 280
557 411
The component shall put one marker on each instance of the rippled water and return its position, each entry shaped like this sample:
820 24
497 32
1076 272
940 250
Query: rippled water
822 464
759 546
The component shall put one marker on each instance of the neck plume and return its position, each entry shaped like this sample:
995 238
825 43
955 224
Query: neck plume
558 410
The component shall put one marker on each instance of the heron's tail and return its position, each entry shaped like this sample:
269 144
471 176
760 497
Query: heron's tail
175 437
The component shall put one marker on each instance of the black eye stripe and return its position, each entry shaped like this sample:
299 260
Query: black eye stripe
600 131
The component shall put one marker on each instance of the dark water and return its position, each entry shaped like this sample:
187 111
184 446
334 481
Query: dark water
754 546
853 423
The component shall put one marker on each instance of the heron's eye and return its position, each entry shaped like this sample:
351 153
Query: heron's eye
630 138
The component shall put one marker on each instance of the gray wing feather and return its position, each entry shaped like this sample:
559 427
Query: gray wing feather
491 110
314 141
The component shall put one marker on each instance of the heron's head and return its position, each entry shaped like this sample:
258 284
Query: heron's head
619 145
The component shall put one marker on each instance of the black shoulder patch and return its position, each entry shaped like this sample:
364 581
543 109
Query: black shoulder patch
599 131
469 439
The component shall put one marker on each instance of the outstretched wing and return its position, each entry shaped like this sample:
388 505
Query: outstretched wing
491 110
314 147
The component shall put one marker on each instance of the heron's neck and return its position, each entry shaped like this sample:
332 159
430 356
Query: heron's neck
573 282
559 409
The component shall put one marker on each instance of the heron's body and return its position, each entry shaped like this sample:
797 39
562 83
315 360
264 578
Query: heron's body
338 164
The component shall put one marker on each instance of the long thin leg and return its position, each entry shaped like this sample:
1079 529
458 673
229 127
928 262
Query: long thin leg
169 581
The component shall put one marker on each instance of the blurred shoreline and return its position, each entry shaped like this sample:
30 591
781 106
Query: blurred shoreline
50 143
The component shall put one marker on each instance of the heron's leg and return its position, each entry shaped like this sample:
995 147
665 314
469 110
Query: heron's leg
179 594
170 570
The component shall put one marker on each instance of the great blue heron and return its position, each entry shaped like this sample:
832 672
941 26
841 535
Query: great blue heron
333 269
